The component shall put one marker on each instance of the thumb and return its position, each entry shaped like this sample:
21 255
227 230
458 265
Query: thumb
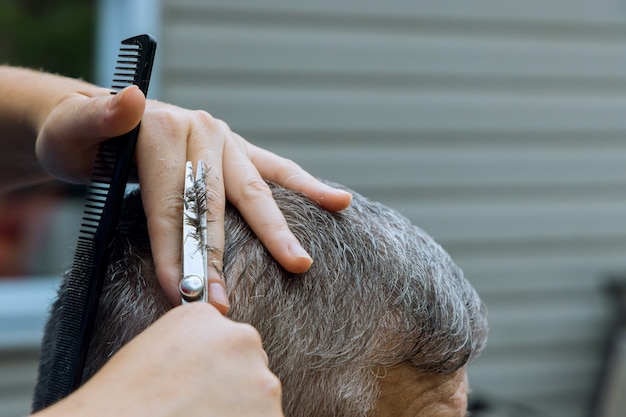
69 137
114 115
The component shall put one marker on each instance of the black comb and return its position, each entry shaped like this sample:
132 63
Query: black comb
104 201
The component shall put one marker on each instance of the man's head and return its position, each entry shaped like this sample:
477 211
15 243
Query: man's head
382 324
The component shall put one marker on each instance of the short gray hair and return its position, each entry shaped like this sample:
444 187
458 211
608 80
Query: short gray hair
380 293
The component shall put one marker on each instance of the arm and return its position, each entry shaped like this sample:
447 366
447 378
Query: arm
191 362
63 120
28 97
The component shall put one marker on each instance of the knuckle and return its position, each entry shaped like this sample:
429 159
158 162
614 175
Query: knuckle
244 337
204 117
286 170
273 386
222 127
166 121
212 123
247 333
170 206
254 187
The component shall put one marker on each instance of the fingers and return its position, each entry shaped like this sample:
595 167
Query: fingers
250 194
169 137
211 363
288 174
104 116
123 112
161 157
206 144
72 132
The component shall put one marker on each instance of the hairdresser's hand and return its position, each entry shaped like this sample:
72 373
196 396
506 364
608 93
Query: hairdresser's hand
191 362
170 136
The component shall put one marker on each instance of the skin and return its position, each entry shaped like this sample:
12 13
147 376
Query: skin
407 392
65 119
232 379
51 126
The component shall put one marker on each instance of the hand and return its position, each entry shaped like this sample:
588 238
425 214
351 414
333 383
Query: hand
170 136
190 362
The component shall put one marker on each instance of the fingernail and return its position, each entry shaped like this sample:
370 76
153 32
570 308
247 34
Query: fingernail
117 97
217 294
349 195
115 101
346 193
298 251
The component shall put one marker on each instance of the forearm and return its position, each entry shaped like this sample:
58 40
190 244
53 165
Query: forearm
26 99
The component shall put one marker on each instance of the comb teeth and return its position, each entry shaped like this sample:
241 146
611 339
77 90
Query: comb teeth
127 64
102 175
78 306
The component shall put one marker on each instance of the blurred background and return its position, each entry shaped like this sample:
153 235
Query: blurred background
498 126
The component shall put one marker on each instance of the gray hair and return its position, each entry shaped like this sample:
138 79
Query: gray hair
380 293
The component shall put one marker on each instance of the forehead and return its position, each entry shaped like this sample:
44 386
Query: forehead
407 392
